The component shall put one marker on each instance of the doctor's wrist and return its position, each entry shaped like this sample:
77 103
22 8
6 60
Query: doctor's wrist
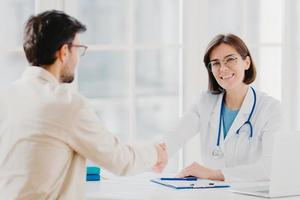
217 175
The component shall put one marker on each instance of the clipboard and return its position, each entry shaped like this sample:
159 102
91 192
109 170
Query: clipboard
189 184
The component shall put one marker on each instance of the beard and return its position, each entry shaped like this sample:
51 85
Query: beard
66 77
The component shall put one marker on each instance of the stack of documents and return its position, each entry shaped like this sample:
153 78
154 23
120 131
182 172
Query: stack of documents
92 173
189 183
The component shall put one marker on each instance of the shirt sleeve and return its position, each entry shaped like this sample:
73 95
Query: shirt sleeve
260 170
186 127
93 141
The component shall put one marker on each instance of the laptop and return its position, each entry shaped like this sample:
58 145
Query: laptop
285 172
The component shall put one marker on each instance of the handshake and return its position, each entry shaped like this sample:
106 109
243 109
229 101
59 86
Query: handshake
162 158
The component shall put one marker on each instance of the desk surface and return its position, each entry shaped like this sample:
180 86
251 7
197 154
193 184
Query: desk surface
140 188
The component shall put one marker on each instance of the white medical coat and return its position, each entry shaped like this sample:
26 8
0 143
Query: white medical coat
243 160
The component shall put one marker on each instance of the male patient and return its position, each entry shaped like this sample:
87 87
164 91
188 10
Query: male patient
47 131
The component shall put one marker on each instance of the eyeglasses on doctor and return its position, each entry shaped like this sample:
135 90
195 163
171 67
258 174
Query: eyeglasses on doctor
81 49
215 65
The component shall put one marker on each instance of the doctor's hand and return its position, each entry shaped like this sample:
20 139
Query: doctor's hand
200 171
162 158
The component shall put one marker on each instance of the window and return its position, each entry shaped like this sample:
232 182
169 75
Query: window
13 14
131 71
270 47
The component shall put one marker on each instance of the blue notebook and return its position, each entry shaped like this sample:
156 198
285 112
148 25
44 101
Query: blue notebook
93 177
93 173
189 184
92 170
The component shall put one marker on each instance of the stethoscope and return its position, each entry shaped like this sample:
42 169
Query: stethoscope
218 152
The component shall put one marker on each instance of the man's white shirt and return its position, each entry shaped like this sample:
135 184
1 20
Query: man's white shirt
46 134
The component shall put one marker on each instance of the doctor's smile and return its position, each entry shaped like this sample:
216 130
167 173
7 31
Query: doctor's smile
225 77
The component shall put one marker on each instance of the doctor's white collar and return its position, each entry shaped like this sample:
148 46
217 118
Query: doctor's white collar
246 105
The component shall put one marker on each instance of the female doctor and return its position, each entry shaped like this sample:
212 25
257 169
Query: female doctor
236 122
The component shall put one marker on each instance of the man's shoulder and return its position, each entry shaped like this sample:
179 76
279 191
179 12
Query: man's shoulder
69 96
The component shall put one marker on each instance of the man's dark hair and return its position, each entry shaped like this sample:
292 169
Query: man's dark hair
46 33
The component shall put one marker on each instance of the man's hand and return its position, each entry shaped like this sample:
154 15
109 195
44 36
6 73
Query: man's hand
162 158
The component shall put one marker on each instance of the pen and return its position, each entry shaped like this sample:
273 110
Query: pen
188 178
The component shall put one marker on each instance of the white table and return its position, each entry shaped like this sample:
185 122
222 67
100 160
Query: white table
140 188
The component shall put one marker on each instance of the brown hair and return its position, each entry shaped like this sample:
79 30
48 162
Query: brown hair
239 45
47 32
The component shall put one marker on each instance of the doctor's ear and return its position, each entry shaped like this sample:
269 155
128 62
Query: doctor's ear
247 61
63 53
